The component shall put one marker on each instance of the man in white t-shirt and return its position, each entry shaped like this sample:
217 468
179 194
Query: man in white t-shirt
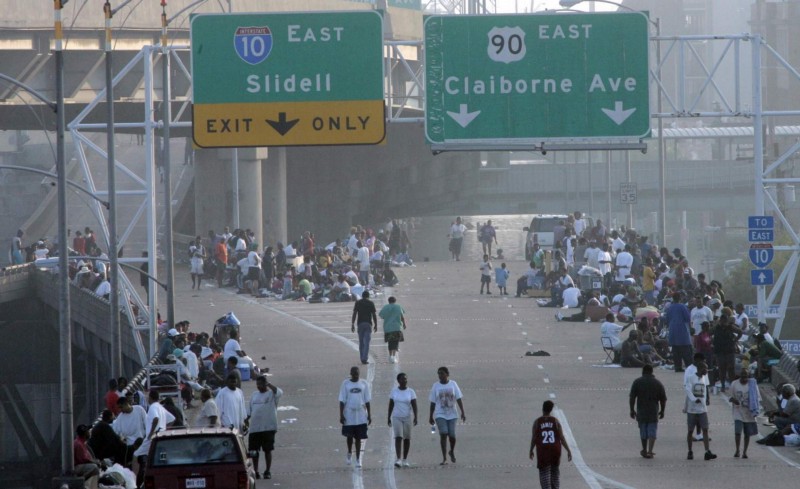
570 296
697 402
354 412
624 263
130 425
592 254
157 420
209 413
402 404
604 263
611 330
457 231
231 404
232 348
444 397
699 314
362 255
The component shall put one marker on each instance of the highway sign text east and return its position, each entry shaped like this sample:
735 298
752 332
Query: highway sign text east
287 79
528 78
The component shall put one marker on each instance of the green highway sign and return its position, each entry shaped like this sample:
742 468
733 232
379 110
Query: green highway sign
532 78
287 79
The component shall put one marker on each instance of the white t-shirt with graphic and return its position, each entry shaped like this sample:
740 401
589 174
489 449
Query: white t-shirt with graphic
445 397
696 389
355 396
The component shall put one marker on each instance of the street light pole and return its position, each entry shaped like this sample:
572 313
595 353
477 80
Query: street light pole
116 333
64 320
165 160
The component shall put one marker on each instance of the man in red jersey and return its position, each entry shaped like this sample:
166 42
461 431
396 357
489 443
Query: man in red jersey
548 439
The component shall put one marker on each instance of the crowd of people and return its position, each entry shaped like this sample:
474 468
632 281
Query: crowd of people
302 269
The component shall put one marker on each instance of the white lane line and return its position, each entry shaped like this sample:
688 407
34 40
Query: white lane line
590 476
388 449
358 480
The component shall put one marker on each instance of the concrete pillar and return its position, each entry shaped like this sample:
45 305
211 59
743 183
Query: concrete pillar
212 191
273 182
250 191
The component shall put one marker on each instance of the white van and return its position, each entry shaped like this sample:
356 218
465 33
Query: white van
541 231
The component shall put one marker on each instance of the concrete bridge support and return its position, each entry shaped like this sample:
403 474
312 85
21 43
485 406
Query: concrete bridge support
262 192
273 183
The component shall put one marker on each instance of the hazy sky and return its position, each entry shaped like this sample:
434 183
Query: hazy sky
511 6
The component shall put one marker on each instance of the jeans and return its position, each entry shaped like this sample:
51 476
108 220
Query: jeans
364 337
681 356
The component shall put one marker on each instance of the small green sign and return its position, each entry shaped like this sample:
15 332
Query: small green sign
530 78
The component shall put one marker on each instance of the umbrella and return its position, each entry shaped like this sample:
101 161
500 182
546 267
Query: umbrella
648 312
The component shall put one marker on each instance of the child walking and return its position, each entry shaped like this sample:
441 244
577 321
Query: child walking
501 275
486 274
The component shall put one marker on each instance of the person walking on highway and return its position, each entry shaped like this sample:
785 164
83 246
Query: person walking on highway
547 440
231 404
456 235
696 389
746 400
354 412
402 403
444 396
680 338
486 274
262 412
364 314
394 322
197 253
647 395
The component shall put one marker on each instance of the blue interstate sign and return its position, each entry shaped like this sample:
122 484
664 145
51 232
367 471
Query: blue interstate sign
761 256
762 276
760 222
253 44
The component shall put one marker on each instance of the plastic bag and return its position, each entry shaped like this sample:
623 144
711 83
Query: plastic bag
127 476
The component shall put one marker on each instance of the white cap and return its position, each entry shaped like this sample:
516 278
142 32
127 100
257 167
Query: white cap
172 332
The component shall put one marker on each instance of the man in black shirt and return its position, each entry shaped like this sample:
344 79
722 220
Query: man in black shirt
364 312
104 442
647 395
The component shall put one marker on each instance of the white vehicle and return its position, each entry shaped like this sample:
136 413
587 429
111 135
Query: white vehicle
541 231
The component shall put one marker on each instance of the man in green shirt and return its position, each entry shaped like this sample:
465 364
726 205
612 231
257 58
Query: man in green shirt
394 322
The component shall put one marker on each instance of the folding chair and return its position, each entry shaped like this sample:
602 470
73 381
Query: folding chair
608 348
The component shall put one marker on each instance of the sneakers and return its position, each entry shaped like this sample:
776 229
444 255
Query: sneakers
267 474
690 456
398 463
559 316
709 456
392 360
358 462
397 357
406 463
349 459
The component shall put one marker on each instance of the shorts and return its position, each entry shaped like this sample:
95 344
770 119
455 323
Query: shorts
446 427
253 273
261 440
486 279
750 429
196 267
357 431
648 430
694 420
401 428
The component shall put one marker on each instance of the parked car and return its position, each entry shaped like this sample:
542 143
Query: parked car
199 458
541 231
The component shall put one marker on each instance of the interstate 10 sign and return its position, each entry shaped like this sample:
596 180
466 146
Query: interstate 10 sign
530 78
287 79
